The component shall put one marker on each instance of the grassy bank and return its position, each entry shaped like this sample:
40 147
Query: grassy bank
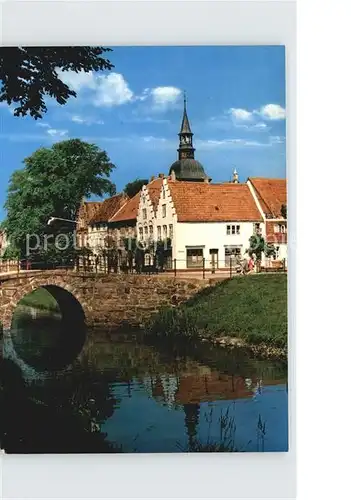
250 308
40 299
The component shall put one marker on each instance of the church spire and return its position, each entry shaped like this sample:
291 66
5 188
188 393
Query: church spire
185 128
186 149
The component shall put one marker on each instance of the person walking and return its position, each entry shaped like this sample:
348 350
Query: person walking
251 264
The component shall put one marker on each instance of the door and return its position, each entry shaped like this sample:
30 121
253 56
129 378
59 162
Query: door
214 257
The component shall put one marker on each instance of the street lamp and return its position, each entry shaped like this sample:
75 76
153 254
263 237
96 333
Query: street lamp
53 219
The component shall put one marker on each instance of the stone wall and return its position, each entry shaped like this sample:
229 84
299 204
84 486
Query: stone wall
107 300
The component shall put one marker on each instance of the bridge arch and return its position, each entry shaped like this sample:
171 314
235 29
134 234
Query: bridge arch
67 328
53 284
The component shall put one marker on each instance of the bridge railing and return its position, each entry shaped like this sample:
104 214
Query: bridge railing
9 266
193 265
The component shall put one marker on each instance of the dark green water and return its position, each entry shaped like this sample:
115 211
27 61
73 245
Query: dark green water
125 394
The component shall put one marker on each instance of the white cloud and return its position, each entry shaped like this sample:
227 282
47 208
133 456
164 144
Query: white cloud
277 139
228 143
78 80
241 114
105 89
86 120
272 112
151 138
164 98
53 132
43 125
260 126
112 90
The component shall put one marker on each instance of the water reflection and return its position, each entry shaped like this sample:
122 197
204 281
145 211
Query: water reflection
46 341
122 394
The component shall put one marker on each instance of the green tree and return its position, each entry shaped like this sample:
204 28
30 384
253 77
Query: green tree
132 188
52 184
258 246
30 74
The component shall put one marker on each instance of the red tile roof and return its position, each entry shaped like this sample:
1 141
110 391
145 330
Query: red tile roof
128 211
205 202
271 194
108 208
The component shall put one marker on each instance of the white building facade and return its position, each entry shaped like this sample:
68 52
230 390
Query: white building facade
207 223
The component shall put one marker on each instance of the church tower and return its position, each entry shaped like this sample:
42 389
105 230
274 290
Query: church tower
186 149
186 168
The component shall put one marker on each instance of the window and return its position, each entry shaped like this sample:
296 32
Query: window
164 210
164 232
146 231
194 257
151 231
279 228
163 192
171 231
231 253
233 229
141 234
158 232
144 213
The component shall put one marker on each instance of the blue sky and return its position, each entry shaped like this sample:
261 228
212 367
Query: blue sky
236 107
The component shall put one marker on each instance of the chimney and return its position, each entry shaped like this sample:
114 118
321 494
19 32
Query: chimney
207 180
161 176
152 178
235 177
173 175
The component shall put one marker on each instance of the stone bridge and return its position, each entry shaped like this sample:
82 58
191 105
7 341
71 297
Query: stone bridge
105 300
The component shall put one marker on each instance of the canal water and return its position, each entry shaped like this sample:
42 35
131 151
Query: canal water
124 393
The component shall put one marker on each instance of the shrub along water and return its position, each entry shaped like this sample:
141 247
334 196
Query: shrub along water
252 308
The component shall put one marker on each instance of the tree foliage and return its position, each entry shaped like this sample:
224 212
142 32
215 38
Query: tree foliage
132 188
52 184
30 74
258 246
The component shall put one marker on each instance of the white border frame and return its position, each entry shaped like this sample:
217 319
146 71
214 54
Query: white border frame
249 475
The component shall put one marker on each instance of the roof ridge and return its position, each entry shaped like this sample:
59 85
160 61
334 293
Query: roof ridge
269 178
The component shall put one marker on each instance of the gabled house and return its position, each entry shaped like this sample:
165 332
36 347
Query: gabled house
146 214
271 198
206 223
122 223
87 211
98 225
